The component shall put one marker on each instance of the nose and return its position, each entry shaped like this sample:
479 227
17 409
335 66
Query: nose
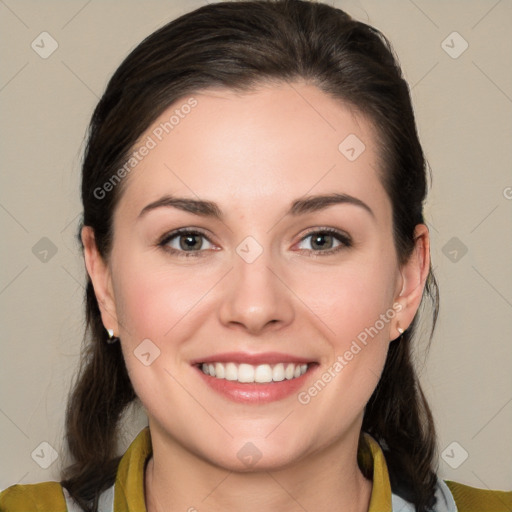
256 298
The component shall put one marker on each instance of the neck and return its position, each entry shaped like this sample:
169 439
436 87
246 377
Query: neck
177 480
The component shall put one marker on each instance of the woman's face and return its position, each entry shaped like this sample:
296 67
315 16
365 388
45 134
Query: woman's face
263 275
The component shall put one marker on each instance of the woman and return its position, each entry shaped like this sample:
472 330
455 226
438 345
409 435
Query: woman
257 258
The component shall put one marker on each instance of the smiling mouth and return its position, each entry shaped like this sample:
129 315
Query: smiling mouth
248 373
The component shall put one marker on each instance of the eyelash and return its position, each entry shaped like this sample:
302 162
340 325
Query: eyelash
345 242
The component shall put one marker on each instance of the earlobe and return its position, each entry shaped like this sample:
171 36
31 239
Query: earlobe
99 273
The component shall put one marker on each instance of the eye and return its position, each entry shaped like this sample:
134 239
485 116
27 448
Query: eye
185 242
323 241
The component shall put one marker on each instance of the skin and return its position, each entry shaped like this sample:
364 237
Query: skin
253 154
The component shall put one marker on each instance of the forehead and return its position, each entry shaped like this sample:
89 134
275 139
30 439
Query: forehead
275 143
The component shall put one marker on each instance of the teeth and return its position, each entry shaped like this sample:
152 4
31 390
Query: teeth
263 373
231 371
278 372
247 373
219 371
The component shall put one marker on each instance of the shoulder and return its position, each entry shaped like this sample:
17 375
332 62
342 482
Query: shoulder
472 499
42 497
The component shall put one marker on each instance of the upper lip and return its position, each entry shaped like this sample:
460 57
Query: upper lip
254 359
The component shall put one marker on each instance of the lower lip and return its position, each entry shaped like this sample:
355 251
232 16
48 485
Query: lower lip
257 393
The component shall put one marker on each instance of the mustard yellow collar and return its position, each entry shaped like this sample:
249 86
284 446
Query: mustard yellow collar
129 485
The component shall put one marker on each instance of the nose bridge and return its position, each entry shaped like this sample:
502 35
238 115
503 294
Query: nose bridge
256 297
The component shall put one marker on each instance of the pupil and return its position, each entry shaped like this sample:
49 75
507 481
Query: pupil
320 237
189 241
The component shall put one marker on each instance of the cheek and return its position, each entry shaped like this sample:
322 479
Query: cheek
356 306
351 298
157 303
151 301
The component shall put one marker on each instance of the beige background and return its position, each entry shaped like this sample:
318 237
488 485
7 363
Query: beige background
463 107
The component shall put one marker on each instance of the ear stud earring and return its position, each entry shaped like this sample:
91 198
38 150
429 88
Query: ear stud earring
111 337
400 330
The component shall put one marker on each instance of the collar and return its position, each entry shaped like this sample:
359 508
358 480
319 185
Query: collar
129 484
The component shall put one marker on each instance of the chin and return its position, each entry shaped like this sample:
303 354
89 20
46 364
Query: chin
256 455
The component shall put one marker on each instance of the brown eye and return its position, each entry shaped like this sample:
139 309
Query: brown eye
185 241
191 241
322 241
326 241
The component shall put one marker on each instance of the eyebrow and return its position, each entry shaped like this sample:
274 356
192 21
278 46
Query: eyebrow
300 206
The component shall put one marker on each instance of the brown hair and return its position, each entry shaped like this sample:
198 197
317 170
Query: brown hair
238 45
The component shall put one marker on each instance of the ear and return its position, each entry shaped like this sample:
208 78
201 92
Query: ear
414 276
99 273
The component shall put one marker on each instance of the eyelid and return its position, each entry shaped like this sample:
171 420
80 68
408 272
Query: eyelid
175 232
326 229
